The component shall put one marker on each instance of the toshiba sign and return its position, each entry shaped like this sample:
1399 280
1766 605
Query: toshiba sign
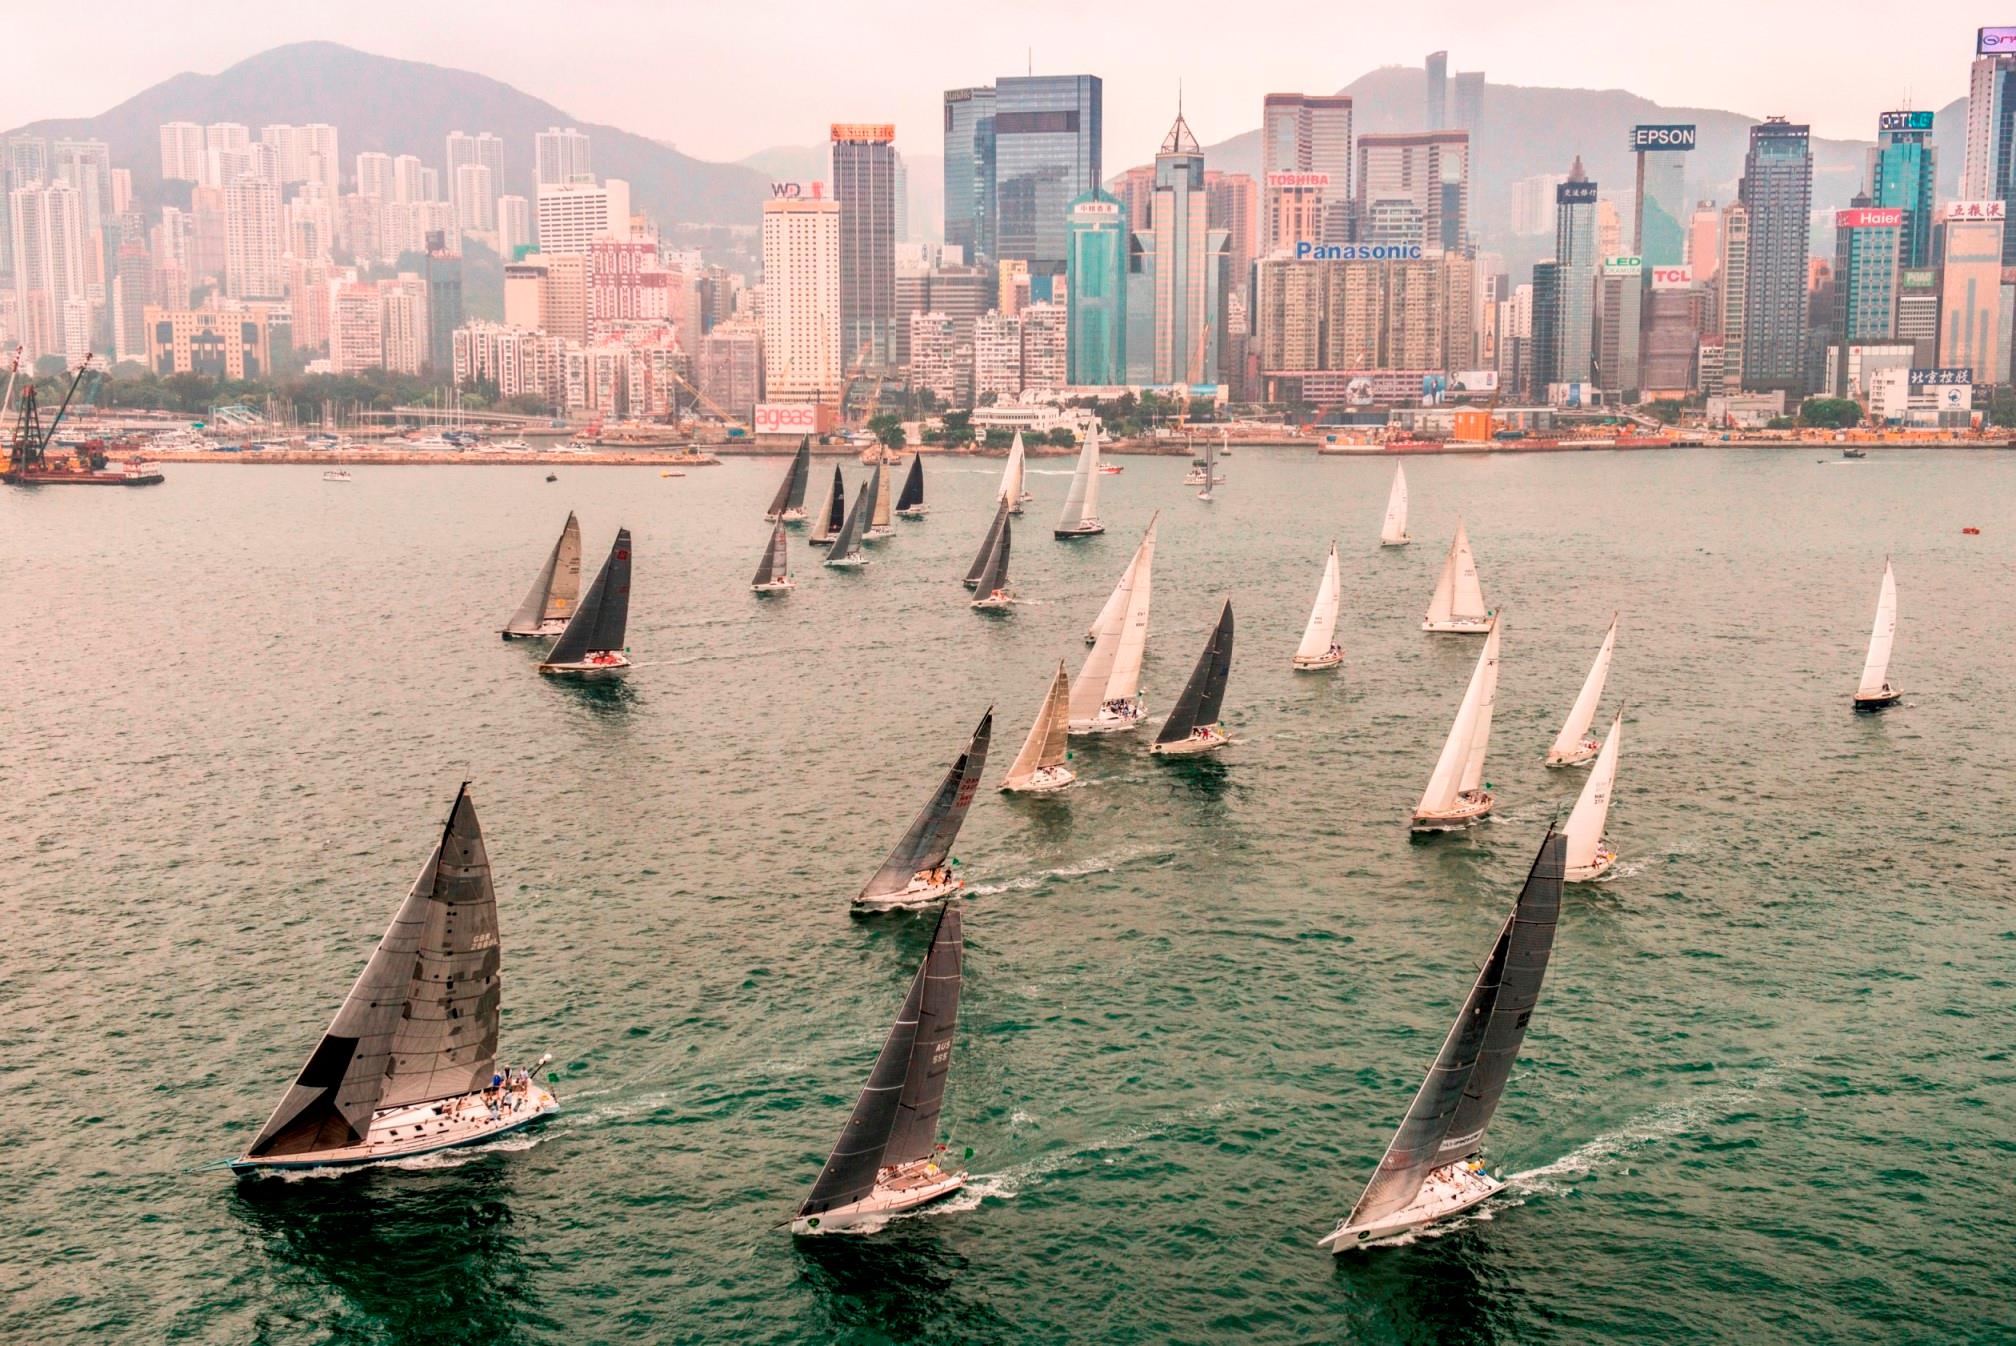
787 418
1672 277
1280 180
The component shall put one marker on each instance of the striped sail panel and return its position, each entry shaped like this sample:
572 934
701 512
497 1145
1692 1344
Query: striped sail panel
915 1134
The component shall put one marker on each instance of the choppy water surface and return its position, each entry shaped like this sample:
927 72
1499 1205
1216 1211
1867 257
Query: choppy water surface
1769 1094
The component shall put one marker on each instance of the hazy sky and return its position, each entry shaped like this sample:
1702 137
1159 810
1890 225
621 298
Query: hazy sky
725 78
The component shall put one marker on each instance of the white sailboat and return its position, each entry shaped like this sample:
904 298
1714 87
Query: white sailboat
1431 1169
1458 605
882 522
1589 851
1012 477
1393 533
1039 767
1115 607
1081 507
550 601
1106 696
1575 745
1319 649
1456 795
1211 474
1874 692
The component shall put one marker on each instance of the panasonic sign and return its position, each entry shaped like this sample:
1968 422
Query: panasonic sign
1358 252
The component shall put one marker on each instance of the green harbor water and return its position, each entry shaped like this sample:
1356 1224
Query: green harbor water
1768 1096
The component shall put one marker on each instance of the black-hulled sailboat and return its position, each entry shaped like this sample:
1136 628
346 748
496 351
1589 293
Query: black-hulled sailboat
835 514
915 872
980 558
910 503
788 506
550 601
888 1156
1430 1170
409 1064
773 572
1193 725
846 553
991 593
592 645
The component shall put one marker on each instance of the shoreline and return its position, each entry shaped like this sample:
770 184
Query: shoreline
396 458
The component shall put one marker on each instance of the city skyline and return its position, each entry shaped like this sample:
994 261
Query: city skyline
85 79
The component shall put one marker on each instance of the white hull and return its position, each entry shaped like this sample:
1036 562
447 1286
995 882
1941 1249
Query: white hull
1089 528
548 629
846 562
1471 806
1449 1190
914 512
787 518
1395 542
1606 856
896 1190
1460 626
994 602
819 541
918 894
774 587
1316 663
1583 754
612 667
1213 739
1107 722
878 532
1042 780
422 1128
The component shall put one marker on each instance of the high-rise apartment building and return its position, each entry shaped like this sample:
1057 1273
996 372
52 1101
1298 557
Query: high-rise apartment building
1659 211
1575 259
410 180
304 154
226 153
1048 131
475 196
1971 289
253 244
573 216
969 172
182 151
864 183
802 356
514 226
561 158
1533 204
1305 161
1904 175
1733 289
1233 205
1096 272
51 272
374 175
1429 168
1777 191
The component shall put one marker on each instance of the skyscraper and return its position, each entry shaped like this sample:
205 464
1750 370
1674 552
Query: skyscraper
1659 211
1866 250
252 241
1048 131
474 197
1733 287
969 172
46 222
801 300
1704 242
561 158
1234 207
1903 173
1436 112
1305 161
1575 259
1988 168
1620 291
864 183
1777 191
1430 169
514 226
1971 288
1467 110
1189 264
1096 276
572 217
182 151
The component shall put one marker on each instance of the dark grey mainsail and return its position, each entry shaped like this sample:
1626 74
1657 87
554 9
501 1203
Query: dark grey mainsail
604 615
836 507
791 492
987 544
847 542
994 575
1204 695
1426 1134
895 1120
421 1021
776 562
558 584
929 838
912 494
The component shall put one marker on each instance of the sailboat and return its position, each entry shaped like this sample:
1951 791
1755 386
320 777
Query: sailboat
846 550
993 535
887 1158
1589 851
991 593
835 515
1874 692
1081 506
592 644
1203 471
1039 767
880 520
1319 649
1393 532
1458 604
789 504
1211 477
1430 1170
915 872
409 1064
550 600
910 504
1456 795
1192 725
1115 607
773 572
1574 745
1012 477
1106 695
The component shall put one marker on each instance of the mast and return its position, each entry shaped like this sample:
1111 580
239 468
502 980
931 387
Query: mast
1592 808
1575 728
1454 763
602 619
883 500
929 838
1321 631
1203 696
1876 668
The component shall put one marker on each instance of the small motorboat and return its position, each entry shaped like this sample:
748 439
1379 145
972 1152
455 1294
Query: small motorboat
336 474
1110 469
552 476
1851 451
673 472
1970 532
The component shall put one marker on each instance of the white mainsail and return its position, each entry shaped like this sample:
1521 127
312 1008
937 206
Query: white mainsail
1394 531
1592 809
1568 743
1045 745
884 497
1876 669
1112 671
1322 629
1116 604
1461 765
1011 476
1081 505
1458 594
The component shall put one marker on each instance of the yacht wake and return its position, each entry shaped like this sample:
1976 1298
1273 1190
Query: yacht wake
1613 1147
1043 876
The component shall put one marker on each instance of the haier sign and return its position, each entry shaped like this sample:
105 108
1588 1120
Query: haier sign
1662 137
1357 252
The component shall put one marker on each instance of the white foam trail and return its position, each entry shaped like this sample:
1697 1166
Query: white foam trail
1662 1123
1029 881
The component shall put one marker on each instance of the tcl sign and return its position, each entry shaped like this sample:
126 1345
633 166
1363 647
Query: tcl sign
787 418
1672 277
1867 217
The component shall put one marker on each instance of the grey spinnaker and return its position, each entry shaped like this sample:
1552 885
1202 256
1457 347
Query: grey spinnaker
1204 695
791 491
421 1020
836 505
994 575
558 584
973 571
912 494
1417 1147
847 542
776 560
604 615
895 1119
929 839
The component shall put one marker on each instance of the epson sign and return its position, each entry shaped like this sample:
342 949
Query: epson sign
1662 137
1357 252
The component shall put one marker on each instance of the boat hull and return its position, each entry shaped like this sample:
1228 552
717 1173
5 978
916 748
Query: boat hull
1582 755
878 533
913 512
994 602
1106 722
1459 626
34 478
903 1192
773 587
845 562
1089 529
1606 856
1317 663
916 895
1470 808
787 518
587 669
1395 542
1213 739
1043 780
548 630
1881 701
1448 1191
428 1132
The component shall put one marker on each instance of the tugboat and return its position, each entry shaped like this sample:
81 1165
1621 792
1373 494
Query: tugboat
28 460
